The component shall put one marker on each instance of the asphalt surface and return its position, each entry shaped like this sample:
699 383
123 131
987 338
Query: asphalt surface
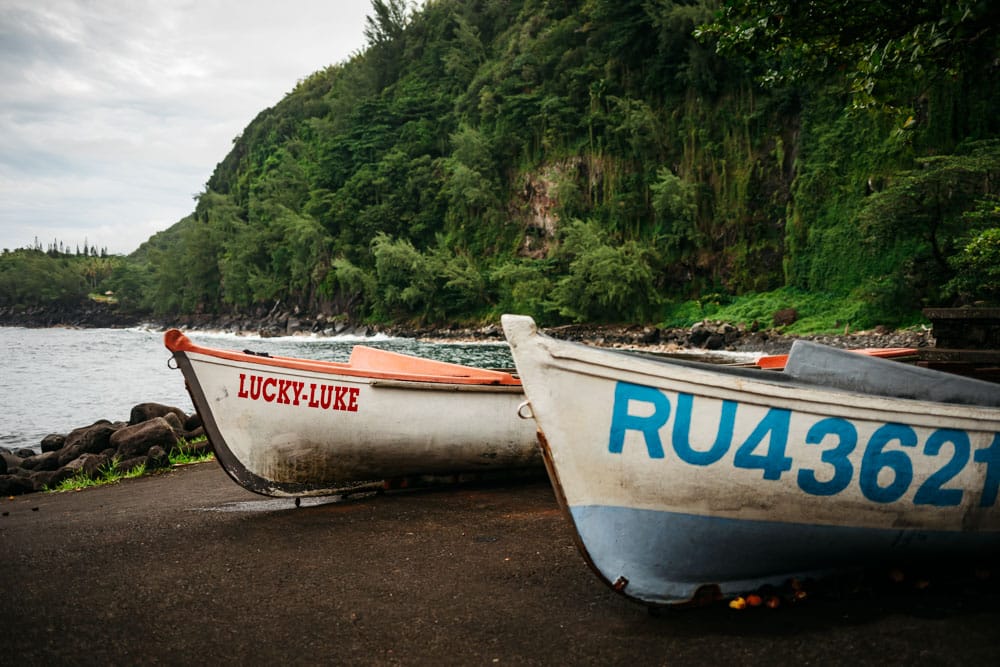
188 568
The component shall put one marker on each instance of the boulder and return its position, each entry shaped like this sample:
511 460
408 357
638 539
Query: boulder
193 422
15 485
714 341
146 411
195 434
157 458
698 335
39 462
128 465
649 336
87 440
11 461
53 442
176 423
49 479
88 464
783 318
136 440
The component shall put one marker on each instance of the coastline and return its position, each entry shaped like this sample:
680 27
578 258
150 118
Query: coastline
709 335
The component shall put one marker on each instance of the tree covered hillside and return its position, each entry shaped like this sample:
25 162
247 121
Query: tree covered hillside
608 160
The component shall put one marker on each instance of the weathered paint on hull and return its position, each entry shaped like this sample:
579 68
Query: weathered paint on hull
678 476
690 550
294 431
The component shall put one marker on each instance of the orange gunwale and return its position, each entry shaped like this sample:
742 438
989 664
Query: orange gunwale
365 362
777 362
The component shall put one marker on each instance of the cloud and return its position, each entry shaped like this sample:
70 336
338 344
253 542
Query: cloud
115 113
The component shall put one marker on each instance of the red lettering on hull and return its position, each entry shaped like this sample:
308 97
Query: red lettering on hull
293 392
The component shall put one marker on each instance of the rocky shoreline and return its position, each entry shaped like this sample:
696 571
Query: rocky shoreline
151 433
707 335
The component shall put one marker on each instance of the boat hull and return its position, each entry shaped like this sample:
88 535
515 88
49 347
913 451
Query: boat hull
676 477
308 429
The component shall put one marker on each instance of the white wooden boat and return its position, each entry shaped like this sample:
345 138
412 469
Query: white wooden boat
685 481
292 427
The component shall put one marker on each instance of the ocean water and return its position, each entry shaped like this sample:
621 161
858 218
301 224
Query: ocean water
56 380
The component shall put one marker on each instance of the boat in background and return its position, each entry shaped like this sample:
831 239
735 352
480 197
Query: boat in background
282 426
686 481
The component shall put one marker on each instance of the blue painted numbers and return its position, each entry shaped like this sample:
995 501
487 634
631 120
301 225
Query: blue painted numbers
884 475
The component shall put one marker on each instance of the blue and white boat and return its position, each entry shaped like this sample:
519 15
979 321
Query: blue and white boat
685 481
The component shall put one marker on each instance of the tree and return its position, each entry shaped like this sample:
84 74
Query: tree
919 221
603 280
872 41
384 33
976 265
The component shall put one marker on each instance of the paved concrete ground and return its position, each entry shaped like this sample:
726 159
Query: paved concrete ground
188 568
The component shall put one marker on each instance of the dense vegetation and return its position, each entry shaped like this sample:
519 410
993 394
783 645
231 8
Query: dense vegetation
602 160
56 275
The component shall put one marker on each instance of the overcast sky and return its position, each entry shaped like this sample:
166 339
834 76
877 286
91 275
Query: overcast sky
114 113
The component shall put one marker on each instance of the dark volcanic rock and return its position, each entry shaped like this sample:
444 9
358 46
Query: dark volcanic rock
43 461
11 461
90 450
88 464
50 479
136 440
53 442
15 485
193 423
158 457
146 411
783 318
87 440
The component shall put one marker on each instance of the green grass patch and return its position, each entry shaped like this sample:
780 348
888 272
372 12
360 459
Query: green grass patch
106 474
102 298
183 453
818 313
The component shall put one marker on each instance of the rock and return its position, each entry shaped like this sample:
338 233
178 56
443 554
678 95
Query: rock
784 317
192 423
157 458
88 464
53 442
195 433
131 464
650 336
49 479
44 461
11 461
715 342
87 440
146 411
176 423
699 334
15 485
136 440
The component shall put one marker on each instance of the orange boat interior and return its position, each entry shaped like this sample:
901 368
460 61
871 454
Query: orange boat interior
777 362
364 362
